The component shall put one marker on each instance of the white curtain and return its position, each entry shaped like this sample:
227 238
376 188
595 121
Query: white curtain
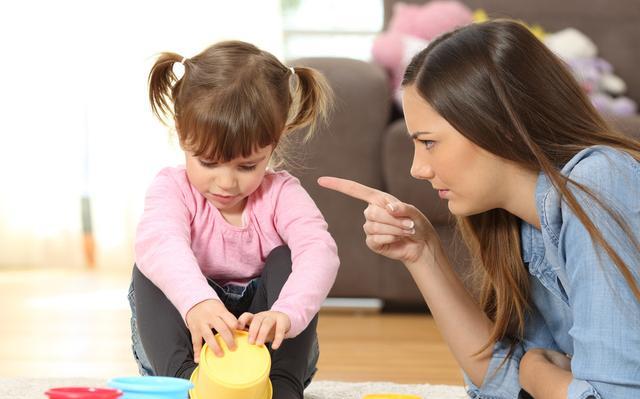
76 120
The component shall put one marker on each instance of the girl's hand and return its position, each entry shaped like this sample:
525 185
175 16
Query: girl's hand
269 326
394 229
208 315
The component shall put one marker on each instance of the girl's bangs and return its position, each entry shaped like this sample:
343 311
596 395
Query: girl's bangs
219 138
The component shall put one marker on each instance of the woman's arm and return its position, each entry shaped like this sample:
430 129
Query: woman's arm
545 374
605 312
400 231
464 326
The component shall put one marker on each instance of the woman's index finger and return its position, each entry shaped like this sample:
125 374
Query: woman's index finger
354 189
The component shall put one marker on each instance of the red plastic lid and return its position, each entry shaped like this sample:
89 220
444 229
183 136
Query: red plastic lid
83 393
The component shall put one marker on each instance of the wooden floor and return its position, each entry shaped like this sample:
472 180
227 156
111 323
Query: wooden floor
76 324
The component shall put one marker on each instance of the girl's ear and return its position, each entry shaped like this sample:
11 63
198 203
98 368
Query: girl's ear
176 127
175 124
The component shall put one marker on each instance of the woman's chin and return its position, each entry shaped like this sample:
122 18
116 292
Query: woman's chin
458 209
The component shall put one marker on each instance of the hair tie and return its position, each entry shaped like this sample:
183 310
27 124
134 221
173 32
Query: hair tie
293 81
178 68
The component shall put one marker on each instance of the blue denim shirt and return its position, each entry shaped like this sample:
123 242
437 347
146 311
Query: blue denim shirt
582 305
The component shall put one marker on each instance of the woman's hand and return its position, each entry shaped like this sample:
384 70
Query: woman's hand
545 373
394 229
463 324
269 326
208 315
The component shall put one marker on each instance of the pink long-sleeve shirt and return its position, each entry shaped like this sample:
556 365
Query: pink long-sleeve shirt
181 238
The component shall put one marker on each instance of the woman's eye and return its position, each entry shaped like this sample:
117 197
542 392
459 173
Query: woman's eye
248 168
428 143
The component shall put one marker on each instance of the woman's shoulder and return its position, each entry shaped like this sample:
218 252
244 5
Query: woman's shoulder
611 175
602 166
598 168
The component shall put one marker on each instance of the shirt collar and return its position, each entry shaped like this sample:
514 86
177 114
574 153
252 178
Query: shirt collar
530 238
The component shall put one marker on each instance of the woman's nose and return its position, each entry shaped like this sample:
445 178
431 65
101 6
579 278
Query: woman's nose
421 170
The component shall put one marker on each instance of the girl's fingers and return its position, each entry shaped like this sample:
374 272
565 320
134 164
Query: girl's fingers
224 331
254 327
279 335
210 339
244 320
196 340
265 330
230 320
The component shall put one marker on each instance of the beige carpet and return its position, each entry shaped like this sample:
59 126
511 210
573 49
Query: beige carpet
34 388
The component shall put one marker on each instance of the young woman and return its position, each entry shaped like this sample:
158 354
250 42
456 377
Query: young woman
547 198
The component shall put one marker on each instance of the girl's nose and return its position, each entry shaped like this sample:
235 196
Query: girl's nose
226 181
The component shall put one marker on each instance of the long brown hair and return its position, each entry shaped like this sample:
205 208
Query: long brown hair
235 98
505 91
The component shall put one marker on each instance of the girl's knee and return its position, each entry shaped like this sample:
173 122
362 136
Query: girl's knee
278 262
280 255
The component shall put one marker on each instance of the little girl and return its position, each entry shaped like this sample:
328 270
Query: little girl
225 242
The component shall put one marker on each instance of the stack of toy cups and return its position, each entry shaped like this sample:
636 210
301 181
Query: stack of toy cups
241 374
151 387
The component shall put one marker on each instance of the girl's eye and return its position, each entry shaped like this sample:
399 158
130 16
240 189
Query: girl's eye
207 164
248 168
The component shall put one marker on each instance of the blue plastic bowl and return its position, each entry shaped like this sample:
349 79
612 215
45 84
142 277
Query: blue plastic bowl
151 387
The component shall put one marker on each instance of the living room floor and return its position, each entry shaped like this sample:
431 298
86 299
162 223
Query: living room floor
65 323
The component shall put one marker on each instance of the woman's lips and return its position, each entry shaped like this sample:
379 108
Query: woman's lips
443 193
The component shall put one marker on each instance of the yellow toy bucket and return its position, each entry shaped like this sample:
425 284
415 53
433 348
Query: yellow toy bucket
241 374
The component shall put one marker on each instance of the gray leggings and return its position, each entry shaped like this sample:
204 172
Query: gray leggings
162 343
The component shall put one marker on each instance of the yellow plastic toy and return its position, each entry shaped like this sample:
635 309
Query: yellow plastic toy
241 374
481 15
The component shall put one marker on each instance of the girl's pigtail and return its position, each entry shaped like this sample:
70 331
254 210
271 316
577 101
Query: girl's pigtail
164 86
311 100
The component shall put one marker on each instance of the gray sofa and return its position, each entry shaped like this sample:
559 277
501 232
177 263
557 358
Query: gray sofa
366 140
